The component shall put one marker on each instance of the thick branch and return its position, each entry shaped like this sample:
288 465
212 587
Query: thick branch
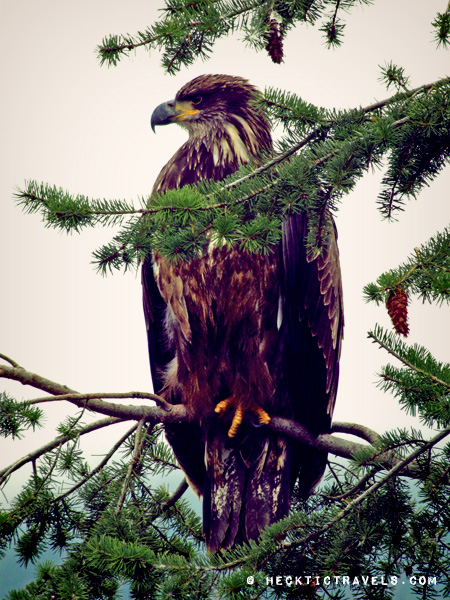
178 414
135 413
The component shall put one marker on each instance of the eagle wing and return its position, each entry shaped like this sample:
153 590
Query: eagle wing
311 335
186 439
160 351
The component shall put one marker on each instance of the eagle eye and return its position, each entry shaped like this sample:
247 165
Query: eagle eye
196 99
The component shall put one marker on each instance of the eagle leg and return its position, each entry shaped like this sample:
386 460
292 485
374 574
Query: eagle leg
232 402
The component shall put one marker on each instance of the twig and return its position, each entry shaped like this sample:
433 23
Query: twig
133 461
175 496
351 491
99 395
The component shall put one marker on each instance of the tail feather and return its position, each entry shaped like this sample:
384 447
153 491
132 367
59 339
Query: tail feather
246 487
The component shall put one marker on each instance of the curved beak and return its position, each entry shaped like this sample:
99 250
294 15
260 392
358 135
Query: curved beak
173 112
163 114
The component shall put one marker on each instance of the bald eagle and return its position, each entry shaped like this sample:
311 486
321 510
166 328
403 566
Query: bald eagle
238 337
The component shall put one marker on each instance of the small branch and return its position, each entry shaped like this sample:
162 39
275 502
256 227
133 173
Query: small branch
404 95
10 360
99 395
361 431
135 458
361 483
389 475
175 496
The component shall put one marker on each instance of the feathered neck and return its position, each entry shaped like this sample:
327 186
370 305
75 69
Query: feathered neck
216 148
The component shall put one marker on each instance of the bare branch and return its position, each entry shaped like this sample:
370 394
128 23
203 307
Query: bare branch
10 360
100 395
361 431
178 414
135 413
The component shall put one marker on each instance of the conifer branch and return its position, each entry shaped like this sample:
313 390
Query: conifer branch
99 467
286 525
275 534
395 470
112 48
179 207
59 441
426 273
383 343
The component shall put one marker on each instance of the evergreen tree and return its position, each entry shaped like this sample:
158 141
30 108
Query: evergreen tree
382 513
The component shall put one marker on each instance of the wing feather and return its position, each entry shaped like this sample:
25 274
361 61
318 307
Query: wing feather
312 333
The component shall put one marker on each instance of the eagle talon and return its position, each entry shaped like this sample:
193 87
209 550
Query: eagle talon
237 420
224 405
263 417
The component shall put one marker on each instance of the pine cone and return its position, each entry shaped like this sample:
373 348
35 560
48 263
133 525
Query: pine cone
275 35
397 306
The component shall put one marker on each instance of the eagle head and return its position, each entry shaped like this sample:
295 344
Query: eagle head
218 103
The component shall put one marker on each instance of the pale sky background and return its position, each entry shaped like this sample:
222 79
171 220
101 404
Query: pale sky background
68 122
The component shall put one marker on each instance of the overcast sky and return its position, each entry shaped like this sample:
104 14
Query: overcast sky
71 123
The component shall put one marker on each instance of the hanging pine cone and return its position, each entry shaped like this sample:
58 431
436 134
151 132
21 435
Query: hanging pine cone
274 37
397 306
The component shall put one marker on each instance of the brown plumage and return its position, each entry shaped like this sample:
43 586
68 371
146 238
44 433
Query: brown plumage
241 333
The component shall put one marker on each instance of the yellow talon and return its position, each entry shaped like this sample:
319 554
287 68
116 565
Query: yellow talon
263 417
237 420
224 405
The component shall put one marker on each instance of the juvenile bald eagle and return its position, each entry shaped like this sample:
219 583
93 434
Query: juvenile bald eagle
238 336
